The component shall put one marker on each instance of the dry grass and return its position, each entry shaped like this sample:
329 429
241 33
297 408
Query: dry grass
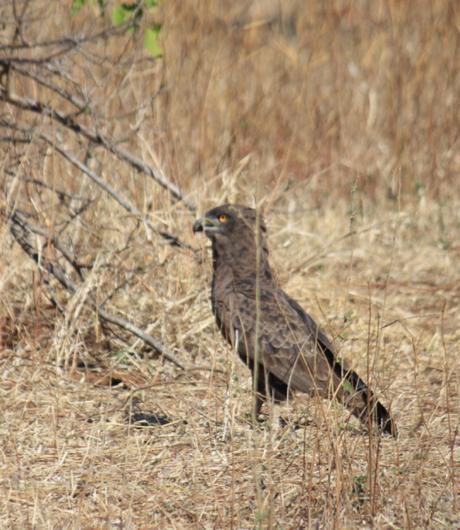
344 121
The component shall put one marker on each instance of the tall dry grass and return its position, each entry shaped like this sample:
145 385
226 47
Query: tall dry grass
342 118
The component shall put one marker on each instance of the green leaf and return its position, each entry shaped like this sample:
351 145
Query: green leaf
76 6
130 7
151 41
118 15
122 12
151 3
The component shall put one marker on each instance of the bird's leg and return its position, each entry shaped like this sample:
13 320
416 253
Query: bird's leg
259 385
259 401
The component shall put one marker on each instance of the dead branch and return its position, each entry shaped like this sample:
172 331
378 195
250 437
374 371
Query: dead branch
64 44
80 104
118 197
50 65
21 230
35 229
173 240
95 137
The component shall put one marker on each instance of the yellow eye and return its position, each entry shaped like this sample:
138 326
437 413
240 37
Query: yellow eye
223 218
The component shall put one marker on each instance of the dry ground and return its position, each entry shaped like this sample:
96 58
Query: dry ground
71 459
342 119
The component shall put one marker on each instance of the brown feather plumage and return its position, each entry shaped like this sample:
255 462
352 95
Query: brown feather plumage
282 345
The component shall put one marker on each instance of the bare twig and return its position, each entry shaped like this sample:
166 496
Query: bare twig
78 103
173 240
67 121
21 231
35 229
65 43
27 137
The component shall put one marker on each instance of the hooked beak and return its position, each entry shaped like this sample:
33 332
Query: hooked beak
206 225
198 226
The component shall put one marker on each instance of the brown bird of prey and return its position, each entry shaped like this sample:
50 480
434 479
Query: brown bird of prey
281 344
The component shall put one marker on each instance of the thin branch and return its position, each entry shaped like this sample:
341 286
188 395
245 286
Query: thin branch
66 43
78 103
36 229
173 240
21 231
67 121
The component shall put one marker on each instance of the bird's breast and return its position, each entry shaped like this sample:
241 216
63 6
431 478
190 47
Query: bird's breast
223 301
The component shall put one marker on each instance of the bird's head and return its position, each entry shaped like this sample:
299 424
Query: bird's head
232 229
229 221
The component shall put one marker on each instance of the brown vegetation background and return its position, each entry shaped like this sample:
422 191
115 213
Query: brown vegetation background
339 118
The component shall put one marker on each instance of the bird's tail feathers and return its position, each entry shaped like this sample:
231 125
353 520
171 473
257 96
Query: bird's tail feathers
353 392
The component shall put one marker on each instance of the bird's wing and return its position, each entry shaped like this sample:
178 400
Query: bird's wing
292 347
290 344
339 366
